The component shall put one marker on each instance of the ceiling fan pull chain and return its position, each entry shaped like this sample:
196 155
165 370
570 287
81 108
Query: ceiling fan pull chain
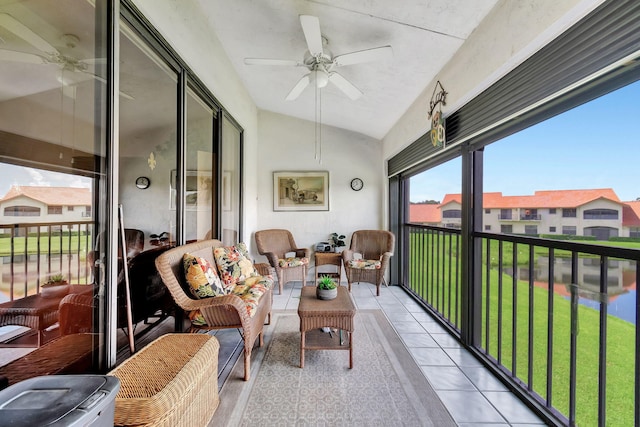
319 126
315 124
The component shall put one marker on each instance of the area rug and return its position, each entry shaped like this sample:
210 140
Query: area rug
385 386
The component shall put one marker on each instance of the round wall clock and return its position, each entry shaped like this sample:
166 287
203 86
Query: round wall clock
143 182
356 184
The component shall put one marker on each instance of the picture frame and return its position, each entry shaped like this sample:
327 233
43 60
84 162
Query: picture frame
198 190
301 191
226 191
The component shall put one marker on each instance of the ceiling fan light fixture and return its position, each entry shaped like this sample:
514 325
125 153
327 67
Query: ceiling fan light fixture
320 77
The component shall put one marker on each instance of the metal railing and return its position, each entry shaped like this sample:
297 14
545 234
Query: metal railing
551 321
31 252
434 270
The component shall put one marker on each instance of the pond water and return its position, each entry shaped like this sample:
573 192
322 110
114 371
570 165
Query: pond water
621 285
623 307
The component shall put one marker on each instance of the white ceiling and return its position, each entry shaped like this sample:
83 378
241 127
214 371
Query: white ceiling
424 35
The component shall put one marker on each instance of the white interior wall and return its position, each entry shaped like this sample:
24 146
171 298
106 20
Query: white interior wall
184 25
287 144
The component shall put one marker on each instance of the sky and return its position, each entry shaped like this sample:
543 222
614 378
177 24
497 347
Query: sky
595 145
20 175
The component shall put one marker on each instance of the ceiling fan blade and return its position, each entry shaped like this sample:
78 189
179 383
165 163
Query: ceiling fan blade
299 87
367 55
267 61
345 85
311 28
102 80
22 31
13 56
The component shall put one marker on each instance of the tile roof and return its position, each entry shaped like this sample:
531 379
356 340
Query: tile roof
541 199
631 214
424 213
52 196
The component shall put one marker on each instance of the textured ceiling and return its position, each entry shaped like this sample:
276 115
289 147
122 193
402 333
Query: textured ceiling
424 35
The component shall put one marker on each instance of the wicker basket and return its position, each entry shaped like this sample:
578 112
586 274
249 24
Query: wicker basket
171 382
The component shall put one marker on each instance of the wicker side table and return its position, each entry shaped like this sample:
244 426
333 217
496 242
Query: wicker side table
329 258
314 314
173 381
34 311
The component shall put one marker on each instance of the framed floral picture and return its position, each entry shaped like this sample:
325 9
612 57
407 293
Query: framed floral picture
198 189
301 191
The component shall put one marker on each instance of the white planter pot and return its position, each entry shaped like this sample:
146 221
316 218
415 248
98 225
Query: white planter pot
326 294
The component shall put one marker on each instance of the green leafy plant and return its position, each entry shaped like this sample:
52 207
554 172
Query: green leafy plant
56 280
337 240
326 282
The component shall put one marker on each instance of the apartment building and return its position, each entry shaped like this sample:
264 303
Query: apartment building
592 212
33 204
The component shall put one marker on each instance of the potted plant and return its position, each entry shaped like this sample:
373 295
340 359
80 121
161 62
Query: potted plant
337 241
56 287
326 288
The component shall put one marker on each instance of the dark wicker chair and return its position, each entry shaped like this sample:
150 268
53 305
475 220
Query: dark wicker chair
375 248
275 244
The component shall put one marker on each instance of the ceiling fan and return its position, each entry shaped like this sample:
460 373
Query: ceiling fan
48 54
321 63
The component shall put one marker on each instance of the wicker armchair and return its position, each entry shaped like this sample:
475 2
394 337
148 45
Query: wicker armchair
375 248
220 312
275 244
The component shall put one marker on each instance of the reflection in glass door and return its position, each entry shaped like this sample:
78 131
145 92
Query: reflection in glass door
52 146
230 193
200 174
147 165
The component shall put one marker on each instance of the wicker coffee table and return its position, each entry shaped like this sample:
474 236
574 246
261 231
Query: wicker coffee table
315 314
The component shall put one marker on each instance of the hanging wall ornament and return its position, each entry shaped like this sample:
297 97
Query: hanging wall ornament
438 99
152 161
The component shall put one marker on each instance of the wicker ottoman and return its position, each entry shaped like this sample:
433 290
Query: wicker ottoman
173 381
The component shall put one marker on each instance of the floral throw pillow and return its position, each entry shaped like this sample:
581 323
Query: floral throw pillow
202 278
233 264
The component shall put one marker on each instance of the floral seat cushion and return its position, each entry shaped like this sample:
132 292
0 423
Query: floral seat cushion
365 264
250 291
292 262
238 277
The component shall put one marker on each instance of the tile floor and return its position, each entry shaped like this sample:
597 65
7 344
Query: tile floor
471 394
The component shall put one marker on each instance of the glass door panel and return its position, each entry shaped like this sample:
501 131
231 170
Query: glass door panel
200 175
52 145
147 165
230 192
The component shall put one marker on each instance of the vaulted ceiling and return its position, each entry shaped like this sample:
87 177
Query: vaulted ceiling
423 35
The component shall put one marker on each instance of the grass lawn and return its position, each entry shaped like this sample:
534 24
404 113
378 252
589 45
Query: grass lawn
511 299
54 245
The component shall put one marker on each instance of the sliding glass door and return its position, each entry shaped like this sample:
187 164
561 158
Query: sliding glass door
52 152
94 187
